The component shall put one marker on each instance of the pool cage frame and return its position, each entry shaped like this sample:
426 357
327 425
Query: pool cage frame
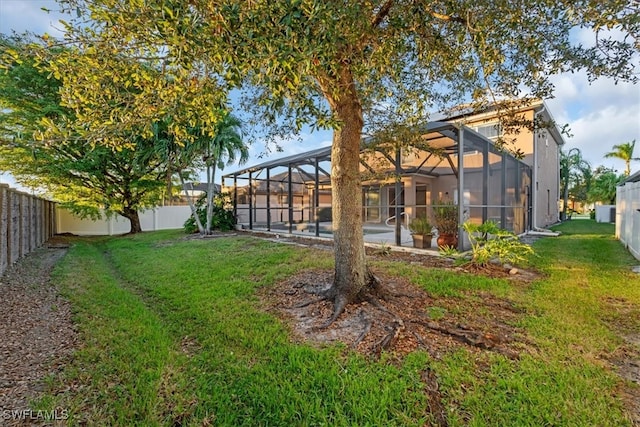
494 184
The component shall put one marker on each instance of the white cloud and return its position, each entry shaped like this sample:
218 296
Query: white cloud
21 15
597 132
600 115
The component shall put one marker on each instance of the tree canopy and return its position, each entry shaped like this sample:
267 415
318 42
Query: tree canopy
352 66
603 188
575 172
85 178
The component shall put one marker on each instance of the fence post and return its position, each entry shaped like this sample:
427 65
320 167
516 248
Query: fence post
4 227
13 240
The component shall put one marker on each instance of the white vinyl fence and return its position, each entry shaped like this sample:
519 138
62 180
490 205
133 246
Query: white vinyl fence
162 218
628 216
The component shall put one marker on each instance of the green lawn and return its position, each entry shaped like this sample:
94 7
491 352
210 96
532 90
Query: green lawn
173 333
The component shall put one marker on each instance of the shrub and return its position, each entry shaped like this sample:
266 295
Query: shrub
420 225
446 217
222 218
489 242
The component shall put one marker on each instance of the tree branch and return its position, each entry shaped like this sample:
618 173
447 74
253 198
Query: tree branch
382 13
449 18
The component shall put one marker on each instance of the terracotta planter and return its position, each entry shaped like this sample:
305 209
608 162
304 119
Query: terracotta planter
422 241
448 240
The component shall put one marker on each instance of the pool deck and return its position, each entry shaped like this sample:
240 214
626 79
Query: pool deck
374 236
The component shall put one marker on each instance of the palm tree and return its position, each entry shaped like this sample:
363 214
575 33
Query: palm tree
624 152
572 167
203 151
226 145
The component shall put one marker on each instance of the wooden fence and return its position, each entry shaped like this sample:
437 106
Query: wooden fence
26 222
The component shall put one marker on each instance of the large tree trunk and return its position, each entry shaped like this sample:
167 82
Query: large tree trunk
351 274
134 219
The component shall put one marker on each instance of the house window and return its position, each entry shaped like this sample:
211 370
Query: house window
371 196
491 130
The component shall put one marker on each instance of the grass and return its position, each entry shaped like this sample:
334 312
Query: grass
173 333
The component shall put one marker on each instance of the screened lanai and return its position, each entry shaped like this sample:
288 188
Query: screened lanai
400 181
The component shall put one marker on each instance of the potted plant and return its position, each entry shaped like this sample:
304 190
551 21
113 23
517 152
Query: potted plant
421 232
445 214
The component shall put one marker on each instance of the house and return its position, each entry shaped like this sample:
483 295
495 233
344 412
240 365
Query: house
540 150
520 193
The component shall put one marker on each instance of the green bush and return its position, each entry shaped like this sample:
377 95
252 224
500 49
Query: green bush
490 242
222 218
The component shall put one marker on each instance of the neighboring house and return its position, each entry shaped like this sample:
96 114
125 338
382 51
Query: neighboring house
521 194
628 213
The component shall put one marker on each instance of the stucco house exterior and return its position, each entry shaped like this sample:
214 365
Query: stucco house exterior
540 150
407 179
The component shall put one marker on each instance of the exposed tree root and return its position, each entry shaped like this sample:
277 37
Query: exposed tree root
434 398
374 302
482 340
372 293
396 327
371 288
310 302
339 303
418 338
401 323
367 327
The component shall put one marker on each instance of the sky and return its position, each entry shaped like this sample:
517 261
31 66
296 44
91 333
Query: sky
599 114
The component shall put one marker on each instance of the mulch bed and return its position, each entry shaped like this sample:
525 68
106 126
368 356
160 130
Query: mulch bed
37 334
405 319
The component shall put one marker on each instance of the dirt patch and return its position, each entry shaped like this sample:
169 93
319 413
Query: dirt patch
37 335
408 318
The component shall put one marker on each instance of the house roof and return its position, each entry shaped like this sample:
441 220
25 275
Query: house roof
200 186
280 182
537 105
442 136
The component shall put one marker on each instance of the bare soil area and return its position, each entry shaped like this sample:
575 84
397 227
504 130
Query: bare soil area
406 318
37 335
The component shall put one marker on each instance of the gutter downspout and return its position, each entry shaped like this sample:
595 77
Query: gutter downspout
534 189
